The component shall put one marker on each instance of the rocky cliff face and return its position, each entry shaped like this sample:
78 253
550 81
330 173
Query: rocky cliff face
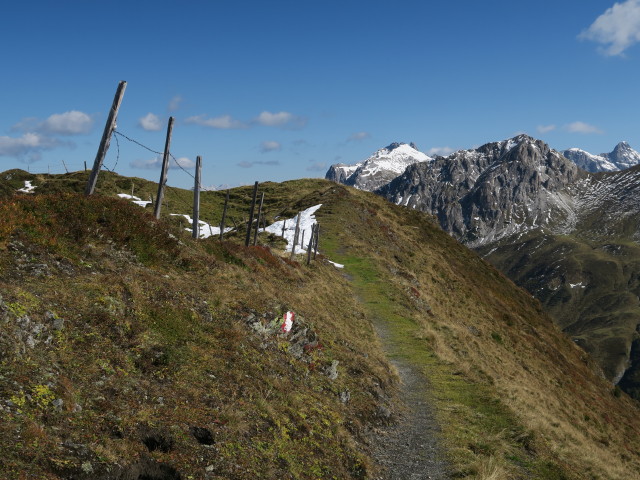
492 192
379 169
621 158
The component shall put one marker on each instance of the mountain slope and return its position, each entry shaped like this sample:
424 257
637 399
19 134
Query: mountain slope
165 355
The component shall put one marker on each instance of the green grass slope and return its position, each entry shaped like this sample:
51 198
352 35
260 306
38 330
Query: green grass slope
128 350
590 287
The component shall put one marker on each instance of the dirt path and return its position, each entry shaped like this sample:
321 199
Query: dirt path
409 449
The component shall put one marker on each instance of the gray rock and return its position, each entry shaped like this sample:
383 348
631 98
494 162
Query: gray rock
332 370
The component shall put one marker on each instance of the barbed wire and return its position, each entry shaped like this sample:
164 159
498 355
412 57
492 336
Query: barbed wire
137 142
118 152
152 151
175 197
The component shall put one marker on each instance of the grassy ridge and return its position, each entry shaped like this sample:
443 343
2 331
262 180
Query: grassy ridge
157 340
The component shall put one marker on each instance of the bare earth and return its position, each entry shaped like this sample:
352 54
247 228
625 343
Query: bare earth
409 449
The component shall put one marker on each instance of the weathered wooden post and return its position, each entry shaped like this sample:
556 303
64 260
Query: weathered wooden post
196 199
224 215
302 241
251 212
295 237
106 138
310 247
284 224
165 167
255 238
315 243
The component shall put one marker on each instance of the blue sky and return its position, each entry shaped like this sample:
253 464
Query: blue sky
280 90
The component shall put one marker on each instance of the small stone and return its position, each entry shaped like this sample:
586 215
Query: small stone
57 403
209 468
332 371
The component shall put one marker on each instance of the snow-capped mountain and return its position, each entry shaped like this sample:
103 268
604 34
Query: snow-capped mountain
379 169
488 193
621 158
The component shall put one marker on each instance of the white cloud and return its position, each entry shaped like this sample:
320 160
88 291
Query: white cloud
616 29
68 123
245 164
152 164
270 146
581 127
358 136
280 119
274 119
28 147
442 151
183 162
545 128
317 167
225 122
174 103
150 122
156 163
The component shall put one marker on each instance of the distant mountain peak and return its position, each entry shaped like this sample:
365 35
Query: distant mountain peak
392 146
622 146
380 168
622 157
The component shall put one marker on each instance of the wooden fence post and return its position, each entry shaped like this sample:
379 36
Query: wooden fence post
224 215
295 237
106 138
196 199
251 212
255 238
302 241
165 167
284 224
310 247
315 243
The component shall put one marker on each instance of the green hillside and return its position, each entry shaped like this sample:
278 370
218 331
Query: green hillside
129 350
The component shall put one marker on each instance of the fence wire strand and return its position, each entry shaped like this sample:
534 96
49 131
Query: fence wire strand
116 134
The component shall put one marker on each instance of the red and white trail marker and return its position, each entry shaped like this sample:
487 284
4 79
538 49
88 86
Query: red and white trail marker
287 323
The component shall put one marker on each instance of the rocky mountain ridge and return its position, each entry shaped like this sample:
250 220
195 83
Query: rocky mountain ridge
492 192
621 158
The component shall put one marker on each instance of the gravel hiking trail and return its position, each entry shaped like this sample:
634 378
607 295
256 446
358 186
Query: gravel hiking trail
409 449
